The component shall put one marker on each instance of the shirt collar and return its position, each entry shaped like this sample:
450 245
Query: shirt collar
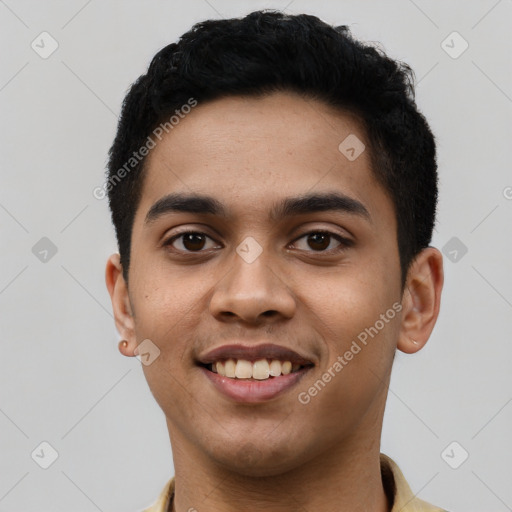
398 490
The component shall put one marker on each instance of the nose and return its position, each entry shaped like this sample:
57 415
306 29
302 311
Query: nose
252 293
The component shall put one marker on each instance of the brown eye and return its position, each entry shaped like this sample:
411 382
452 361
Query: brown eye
193 241
190 241
321 241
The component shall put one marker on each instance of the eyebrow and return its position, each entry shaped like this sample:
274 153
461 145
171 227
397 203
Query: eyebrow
311 203
308 203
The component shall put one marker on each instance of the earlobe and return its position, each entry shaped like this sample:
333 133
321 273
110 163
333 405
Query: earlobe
127 349
421 300
123 313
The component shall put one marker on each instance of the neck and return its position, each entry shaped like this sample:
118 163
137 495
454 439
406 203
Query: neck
345 478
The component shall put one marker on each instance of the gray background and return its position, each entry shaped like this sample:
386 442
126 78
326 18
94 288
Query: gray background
62 379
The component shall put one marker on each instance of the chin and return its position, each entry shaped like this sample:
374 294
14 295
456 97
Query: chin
257 460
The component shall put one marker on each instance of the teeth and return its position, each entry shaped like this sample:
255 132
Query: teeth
275 368
220 368
243 369
259 370
229 367
286 367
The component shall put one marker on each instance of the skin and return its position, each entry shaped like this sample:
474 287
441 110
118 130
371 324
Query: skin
279 455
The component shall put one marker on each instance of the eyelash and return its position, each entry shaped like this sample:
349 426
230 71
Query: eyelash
344 242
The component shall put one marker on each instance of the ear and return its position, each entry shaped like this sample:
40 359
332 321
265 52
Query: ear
123 314
421 300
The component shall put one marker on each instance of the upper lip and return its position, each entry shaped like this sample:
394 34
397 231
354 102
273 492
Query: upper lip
253 353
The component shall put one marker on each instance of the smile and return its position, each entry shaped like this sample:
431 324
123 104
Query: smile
261 369
255 373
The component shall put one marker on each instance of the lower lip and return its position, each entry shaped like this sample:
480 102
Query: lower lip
254 391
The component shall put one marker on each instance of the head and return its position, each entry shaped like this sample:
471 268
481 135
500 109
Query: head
271 51
283 138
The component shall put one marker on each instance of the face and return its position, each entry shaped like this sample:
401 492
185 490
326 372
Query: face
288 253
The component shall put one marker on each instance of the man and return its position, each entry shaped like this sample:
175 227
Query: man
273 188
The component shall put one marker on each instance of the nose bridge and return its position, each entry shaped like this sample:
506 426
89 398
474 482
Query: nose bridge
251 287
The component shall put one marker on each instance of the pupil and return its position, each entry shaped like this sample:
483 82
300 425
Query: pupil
193 241
320 238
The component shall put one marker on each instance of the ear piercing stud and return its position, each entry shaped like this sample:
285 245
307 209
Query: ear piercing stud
124 344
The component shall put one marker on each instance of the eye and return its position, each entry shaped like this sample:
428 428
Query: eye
190 241
321 241
318 241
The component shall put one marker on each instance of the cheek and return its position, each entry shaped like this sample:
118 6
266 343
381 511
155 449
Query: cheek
359 346
358 321
166 313
348 302
163 301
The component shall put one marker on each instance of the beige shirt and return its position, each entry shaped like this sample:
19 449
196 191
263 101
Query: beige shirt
395 485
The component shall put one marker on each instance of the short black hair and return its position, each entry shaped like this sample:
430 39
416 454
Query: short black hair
268 51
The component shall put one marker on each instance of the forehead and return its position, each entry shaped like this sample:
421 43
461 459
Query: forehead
249 152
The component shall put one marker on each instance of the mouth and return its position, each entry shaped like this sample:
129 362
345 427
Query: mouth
253 374
262 369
